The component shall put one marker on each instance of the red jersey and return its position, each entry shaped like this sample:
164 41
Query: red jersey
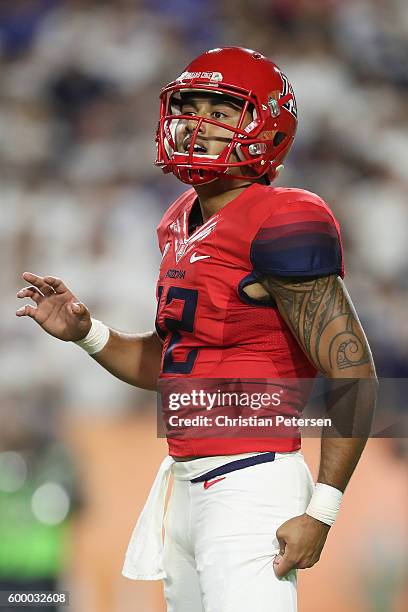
209 327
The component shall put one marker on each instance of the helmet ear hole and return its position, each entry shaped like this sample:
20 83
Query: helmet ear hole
278 138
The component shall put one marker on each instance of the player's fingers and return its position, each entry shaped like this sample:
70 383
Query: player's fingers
38 282
47 290
278 556
283 564
31 292
55 283
33 279
27 311
281 541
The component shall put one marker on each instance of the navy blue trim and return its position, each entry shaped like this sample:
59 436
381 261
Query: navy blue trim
232 466
249 279
307 258
160 332
297 256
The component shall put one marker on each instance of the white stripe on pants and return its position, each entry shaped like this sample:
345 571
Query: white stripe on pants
220 542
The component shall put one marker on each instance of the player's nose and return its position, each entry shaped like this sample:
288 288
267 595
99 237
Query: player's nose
196 124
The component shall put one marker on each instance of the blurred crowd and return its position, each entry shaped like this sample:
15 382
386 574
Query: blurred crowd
80 197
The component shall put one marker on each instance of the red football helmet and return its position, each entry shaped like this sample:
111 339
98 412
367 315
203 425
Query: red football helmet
260 87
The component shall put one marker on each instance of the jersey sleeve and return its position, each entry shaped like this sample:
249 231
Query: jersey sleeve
300 239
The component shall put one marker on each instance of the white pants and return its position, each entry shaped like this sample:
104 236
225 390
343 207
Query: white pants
220 542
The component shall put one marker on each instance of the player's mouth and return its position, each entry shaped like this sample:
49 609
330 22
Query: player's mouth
198 147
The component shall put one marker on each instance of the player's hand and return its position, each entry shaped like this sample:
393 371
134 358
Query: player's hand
301 540
57 309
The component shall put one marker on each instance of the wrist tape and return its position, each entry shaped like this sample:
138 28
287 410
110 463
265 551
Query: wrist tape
325 503
96 338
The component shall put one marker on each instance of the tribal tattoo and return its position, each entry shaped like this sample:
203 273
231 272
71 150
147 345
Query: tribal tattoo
322 317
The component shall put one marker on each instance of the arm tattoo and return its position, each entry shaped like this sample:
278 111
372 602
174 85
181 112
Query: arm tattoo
322 317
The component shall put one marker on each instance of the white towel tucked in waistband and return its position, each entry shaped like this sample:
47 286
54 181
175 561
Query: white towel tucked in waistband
144 556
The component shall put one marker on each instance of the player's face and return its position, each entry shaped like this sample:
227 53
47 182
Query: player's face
211 139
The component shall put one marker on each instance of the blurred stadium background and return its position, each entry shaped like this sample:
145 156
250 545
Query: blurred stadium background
80 199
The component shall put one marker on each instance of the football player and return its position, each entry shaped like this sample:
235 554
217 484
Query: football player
250 287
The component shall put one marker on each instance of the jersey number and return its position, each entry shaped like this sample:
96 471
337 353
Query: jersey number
189 297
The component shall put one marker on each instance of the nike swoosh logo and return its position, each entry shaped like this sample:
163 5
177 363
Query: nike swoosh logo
195 257
210 483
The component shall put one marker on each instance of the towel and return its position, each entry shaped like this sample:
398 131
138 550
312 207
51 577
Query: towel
144 556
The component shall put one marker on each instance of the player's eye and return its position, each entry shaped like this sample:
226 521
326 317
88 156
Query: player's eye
186 111
219 115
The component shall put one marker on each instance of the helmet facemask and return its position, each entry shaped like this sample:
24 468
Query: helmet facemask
182 151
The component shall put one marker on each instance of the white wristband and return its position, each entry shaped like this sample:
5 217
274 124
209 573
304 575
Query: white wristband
96 338
325 503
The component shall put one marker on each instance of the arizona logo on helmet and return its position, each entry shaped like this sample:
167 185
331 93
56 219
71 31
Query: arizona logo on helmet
257 149
290 105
